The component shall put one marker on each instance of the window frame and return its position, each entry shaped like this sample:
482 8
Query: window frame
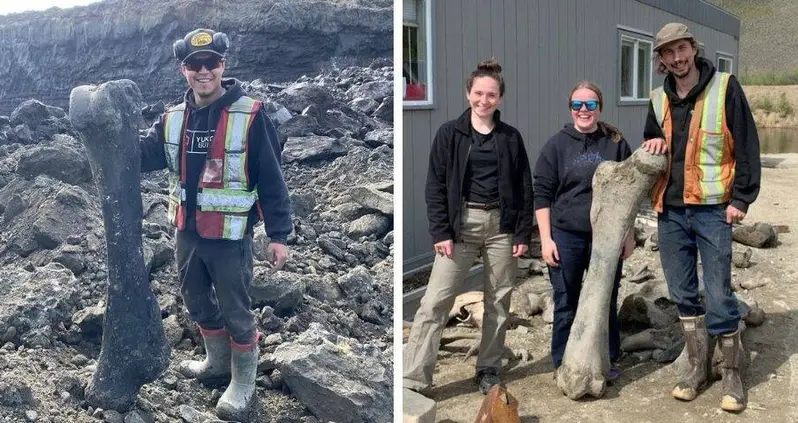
637 37
429 102
719 55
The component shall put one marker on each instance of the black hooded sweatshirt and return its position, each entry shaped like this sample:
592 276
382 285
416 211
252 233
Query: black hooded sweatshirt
564 174
748 170
263 162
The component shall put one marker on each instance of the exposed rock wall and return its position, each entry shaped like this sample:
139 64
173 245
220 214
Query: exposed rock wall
45 54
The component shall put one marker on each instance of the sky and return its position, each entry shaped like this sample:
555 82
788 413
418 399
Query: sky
7 7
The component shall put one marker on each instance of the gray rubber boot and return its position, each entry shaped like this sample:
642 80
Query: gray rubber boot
236 400
214 371
696 340
734 397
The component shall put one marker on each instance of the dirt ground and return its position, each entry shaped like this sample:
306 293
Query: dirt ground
643 392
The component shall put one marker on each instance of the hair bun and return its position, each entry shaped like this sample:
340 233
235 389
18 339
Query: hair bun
490 65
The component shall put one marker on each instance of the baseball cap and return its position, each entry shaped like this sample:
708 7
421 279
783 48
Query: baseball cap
672 32
203 41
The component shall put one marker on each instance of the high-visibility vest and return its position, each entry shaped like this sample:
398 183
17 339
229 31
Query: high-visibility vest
223 201
709 158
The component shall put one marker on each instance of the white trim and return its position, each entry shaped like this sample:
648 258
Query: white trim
636 63
719 55
429 57
635 30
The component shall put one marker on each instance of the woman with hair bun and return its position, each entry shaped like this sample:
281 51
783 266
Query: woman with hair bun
479 200
563 196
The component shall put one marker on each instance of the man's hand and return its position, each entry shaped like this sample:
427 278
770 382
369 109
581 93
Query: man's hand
520 249
279 255
445 248
734 215
656 146
549 252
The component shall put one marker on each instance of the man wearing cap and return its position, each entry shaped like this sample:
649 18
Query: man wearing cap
223 157
701 119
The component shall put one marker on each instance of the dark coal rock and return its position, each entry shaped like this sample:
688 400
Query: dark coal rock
282 291
337 378
61 163
307 149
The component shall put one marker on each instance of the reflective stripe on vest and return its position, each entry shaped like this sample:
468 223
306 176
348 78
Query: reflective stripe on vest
660 103
223 202
173 125
711 147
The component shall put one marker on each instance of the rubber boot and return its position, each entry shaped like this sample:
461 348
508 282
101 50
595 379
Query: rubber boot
734 397
696 340
214 371
236 400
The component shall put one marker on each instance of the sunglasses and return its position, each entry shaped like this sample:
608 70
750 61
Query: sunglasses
210 63
591 105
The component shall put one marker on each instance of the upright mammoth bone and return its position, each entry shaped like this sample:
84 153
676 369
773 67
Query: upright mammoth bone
134 349
618 189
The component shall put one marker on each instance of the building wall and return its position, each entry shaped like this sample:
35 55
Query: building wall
544 47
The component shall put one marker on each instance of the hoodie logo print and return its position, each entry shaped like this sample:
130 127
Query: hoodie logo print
587 159
199 141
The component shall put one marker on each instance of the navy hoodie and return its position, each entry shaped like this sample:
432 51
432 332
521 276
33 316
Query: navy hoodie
263 162
564 174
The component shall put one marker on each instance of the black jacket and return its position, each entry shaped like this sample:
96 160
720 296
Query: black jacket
564 174
447 166
748 170
263 163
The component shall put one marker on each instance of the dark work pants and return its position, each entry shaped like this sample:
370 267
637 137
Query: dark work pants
214 277
685 232
566 280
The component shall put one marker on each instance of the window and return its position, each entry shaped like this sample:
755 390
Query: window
635 68
416 54
724 62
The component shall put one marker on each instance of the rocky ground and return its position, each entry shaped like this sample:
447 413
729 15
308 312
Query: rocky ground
327 352
763 278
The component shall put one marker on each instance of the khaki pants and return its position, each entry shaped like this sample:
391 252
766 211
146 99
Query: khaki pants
480 232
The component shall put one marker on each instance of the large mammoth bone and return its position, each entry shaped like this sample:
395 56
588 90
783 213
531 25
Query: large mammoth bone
134 349
618 189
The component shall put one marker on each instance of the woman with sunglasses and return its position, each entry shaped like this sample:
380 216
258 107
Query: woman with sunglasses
563 195
479 199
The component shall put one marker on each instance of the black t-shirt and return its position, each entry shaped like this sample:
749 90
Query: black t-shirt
482 171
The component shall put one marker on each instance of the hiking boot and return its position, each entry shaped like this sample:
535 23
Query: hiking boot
236 399
486 378
734 396
214 371
696 340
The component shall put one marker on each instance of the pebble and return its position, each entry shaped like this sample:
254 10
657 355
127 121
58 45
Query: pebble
31 416
79 360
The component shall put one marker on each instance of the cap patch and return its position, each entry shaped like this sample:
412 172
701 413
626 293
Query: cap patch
201 39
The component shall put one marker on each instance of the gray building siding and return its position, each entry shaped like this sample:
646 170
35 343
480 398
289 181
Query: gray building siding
544 47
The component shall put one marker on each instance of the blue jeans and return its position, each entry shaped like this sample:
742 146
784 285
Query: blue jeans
574 249
684 232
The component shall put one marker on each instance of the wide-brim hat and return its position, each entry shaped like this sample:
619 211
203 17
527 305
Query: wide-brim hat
673 31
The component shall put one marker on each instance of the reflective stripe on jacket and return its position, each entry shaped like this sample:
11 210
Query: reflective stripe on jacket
223 201
709 157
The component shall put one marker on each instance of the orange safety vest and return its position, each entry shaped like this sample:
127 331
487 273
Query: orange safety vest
223 201
709 159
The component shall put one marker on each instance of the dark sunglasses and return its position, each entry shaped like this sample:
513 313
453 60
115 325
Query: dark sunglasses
591 105
210 63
